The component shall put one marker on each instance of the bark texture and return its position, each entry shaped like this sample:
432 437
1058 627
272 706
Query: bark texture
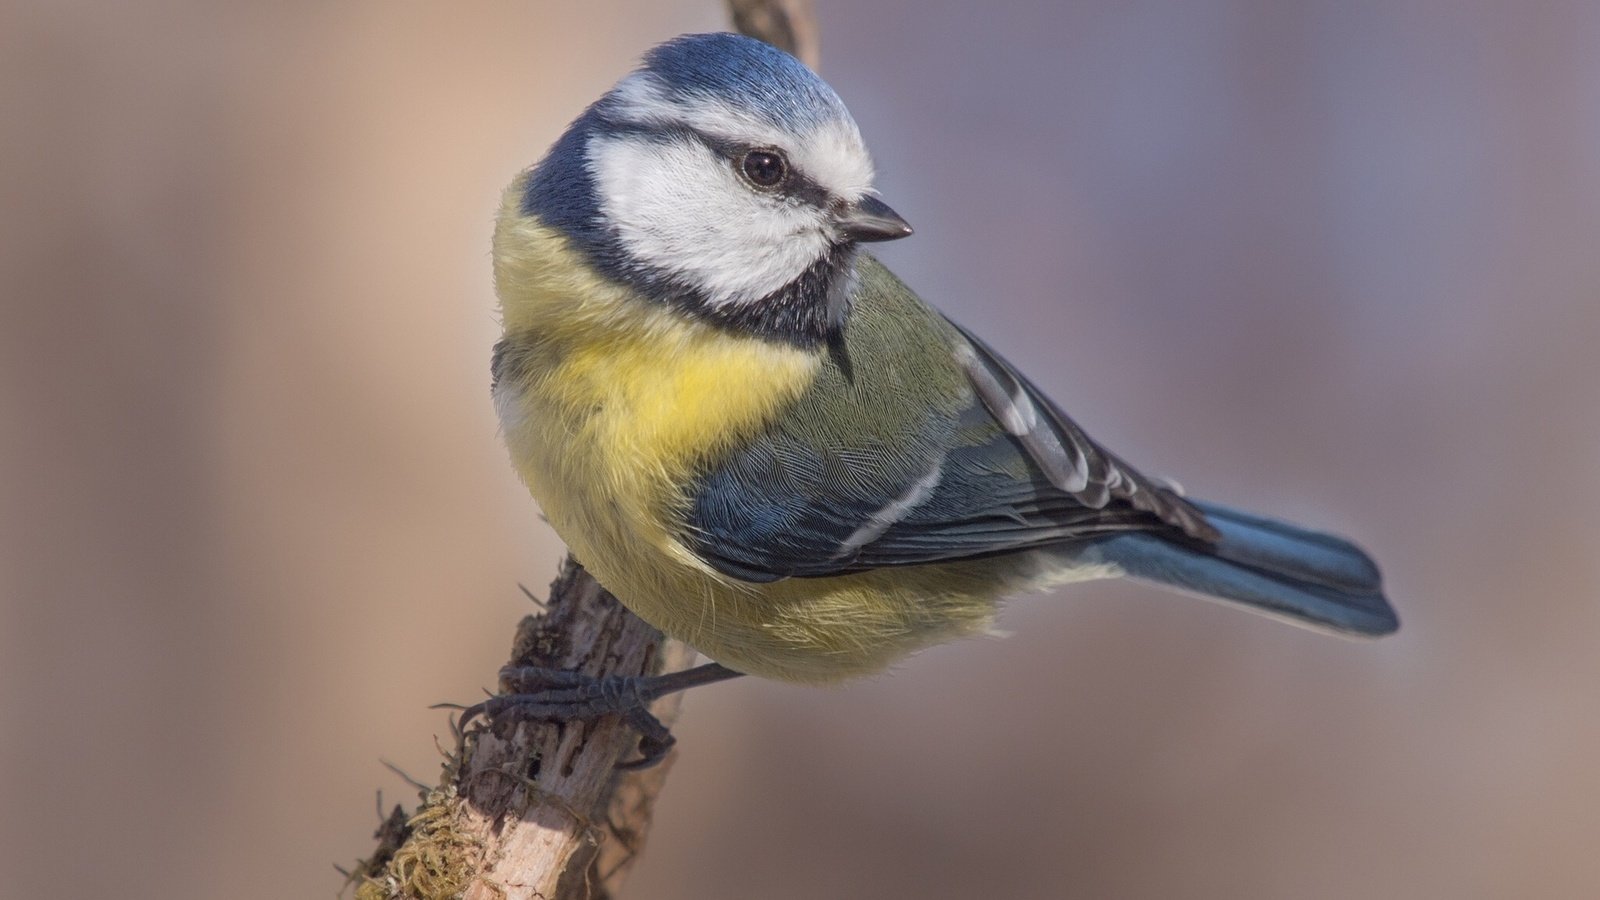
539 810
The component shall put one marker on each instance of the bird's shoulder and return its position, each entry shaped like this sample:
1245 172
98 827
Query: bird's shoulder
892 368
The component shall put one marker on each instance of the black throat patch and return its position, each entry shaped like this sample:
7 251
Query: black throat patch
807 312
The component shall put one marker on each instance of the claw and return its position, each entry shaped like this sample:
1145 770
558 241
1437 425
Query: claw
538 694
655 741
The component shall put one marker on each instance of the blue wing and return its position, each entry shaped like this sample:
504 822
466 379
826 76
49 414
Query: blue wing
785 506
896 458
866 471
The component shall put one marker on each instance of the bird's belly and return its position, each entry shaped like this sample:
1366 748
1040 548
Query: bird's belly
616 513
609 439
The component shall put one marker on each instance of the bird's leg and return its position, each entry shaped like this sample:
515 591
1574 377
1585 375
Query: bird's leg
560 695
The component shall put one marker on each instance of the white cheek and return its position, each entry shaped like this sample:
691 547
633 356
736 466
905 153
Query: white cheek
679 207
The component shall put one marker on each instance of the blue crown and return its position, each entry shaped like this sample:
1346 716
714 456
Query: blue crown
750 74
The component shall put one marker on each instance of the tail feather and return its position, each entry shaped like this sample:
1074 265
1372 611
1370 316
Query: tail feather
1293 552
1309 576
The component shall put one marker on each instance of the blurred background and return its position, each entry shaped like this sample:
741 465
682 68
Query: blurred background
1333 261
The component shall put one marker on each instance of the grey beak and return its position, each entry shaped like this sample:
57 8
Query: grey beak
870 219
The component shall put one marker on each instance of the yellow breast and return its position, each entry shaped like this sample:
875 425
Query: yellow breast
614 405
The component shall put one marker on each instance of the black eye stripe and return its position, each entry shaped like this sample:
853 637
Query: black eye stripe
804 189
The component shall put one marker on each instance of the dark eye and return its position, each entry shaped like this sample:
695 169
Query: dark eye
765 168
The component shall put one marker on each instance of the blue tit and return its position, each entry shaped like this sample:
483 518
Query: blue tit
766 445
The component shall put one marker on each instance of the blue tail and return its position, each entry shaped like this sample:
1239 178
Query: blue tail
1279 568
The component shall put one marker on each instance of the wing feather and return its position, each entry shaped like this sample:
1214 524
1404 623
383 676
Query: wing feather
916 459
1072 462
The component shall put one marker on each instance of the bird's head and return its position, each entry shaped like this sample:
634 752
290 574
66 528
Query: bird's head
723 177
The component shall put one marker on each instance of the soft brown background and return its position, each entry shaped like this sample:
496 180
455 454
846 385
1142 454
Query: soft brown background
1336 261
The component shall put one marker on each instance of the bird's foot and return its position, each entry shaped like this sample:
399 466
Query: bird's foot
539 694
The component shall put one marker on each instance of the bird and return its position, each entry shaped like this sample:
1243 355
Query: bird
763 443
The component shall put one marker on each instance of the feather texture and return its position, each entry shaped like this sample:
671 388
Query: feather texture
1305 576
920 454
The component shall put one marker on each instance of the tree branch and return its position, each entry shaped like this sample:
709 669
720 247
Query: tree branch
788 24
541 811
